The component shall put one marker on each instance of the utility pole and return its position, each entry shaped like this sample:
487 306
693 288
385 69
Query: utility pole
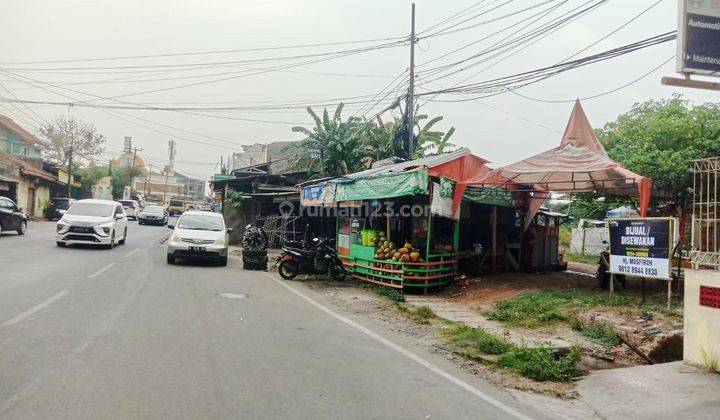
69 167
411 88
167 174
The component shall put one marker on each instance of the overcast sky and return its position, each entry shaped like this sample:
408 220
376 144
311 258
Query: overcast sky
502 129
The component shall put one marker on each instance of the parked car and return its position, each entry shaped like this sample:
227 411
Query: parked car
131 207
58 207
12 217
153 214
199 234
93 222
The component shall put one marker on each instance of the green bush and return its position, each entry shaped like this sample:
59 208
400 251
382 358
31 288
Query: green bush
469 340
601 334
540 364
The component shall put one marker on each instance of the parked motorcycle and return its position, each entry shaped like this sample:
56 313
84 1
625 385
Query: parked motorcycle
322 258
603 271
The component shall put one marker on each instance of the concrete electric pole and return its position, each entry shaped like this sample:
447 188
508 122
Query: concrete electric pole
411 89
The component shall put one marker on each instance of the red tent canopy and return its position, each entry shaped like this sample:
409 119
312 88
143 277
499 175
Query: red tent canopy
578 164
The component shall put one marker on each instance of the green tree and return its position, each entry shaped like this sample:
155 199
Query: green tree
122 177
328 149
657 138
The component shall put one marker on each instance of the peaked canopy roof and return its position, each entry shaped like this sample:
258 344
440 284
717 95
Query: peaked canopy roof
579 164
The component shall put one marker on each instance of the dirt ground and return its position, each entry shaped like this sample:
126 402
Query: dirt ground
655 333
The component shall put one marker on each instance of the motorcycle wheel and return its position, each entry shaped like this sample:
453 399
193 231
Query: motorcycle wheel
288 269
337 273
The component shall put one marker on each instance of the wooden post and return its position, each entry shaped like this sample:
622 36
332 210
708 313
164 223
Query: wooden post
387 224
493 221
612 284
427 239
669 294
456 236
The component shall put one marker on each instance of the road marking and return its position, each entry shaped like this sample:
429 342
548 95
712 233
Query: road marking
132 252
405 352
36 308
100 271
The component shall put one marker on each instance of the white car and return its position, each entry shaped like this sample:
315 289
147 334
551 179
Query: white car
131 207
199 234
93 222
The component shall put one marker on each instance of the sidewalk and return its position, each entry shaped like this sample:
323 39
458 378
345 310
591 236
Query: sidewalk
663 391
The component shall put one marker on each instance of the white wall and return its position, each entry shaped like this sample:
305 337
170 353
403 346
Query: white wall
593 240
702 324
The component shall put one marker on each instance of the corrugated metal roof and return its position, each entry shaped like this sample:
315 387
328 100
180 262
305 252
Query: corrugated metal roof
424 162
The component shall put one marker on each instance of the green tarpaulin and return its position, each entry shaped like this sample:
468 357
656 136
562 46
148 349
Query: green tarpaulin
490 195
383 186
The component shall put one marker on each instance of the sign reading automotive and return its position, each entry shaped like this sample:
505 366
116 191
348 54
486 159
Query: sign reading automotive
641 247
699 36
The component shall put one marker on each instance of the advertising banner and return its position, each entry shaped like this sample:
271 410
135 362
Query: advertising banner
322 194
698 36
383 186
641 247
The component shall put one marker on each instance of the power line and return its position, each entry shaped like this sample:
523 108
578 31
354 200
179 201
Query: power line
607 92
517 12
218 63
536 75
453 17
129 57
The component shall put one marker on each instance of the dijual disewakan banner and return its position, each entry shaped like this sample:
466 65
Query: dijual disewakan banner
642 247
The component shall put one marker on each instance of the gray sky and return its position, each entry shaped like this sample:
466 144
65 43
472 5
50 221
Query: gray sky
72 29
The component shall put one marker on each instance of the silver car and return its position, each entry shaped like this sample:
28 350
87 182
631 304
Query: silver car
199 234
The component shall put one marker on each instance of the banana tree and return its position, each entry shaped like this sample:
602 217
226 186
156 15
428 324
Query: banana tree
328 149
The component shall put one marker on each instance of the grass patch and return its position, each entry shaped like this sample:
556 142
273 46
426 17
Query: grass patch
711 362
421 315
581 258
470 340
545 308
537 363
540 363
390 293
601 334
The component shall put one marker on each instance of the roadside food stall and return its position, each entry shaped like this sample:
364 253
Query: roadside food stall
398 225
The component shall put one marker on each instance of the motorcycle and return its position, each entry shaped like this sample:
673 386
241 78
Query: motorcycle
603 274
322 258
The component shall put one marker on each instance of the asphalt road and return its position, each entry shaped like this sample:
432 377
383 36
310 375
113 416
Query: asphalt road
95 333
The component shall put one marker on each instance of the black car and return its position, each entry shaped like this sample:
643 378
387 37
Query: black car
58 207
11 218
153 215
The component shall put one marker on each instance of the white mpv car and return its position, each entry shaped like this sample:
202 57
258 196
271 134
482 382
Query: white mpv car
199 234
93 222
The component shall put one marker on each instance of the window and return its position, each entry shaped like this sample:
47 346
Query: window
5 204
200 222
92 209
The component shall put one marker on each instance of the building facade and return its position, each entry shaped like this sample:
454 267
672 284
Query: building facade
22 177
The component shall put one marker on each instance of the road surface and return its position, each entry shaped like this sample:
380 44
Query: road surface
95 333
